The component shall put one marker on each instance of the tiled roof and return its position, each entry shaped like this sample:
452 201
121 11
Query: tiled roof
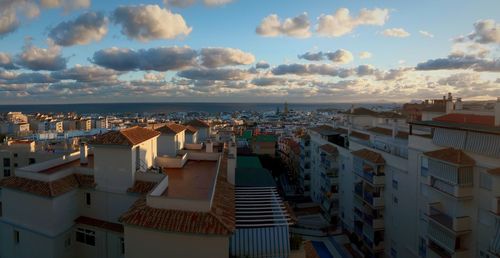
128 137
359 135
171 128
467 119
451 155
324 130
390 114
220 220
369 155
198 123
386 131
328 148
48 189
438 108
142 187
116 227
191 129
362 112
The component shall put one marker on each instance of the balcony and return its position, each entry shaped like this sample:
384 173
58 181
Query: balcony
435 251
456 224
375 223
374 199
370 175
453 190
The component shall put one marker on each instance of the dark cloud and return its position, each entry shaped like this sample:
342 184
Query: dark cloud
268 81
149 22
25 78
87 74
485 32
453 62
88 27
6 61
262 65
213 74
310 56
157 59
340 56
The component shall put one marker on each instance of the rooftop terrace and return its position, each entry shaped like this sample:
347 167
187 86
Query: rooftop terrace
193 181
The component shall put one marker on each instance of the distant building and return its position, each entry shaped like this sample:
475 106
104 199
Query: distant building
264 145
204 130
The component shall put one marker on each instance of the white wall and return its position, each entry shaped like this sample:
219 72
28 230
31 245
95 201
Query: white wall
114 168
144 242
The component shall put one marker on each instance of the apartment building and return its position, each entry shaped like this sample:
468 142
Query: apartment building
191 134
121 199
203 128
458 184
20 153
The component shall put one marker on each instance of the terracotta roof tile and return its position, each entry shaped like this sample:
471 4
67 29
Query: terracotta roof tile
198 123
328 148
386 131
467 119
191 129
47 189
359 135
142 187
116 227
171 128
451 155
324 130
220 220
369 155
494 171
129 136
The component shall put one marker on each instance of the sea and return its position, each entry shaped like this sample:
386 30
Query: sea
155 108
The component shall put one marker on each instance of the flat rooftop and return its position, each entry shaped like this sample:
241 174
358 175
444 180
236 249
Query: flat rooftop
69 164
194 181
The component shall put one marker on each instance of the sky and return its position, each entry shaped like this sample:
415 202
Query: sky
89 51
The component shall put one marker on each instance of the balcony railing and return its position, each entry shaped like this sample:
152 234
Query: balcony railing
454 190
435 251
456 224
495 206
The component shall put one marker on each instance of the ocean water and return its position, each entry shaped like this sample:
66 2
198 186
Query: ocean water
114 108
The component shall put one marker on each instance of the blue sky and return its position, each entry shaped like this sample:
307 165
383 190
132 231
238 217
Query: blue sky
233 25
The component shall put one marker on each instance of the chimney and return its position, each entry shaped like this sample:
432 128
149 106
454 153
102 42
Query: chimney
394 129
458 104
209 146
83 154
449 104
231 168
497 112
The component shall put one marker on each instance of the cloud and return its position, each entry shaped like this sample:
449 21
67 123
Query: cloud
453 62
216 2
218 57
341 22
67 5
36 58
312 69
88 27
9 11
86 74
268 81
341 56
6 61
157 59
150 22
23 78
8 22
485 32
262 65
365 54
426 34
298 26
154 76
213 74
396 32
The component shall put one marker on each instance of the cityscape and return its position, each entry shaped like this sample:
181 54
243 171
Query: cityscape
237 129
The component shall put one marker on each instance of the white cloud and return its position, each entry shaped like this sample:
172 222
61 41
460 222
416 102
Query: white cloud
149 22
365 54
341 22
396 32
218 57
426 34
298 27
340 56
485 32
36 58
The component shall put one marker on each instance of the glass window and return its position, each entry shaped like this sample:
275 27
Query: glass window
31 161
485 181
88 198
16 237
85 236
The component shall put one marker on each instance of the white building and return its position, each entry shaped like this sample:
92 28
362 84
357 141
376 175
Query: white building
172 139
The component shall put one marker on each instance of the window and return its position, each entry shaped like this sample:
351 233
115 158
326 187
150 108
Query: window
31 161
6 162
85 236
16 237
485 181
395 200
88 199
15 165
122 245
15 155
422 247
395 184
424 166
67 241
6 172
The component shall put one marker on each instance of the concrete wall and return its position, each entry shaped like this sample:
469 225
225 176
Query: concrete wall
114 168
143 242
